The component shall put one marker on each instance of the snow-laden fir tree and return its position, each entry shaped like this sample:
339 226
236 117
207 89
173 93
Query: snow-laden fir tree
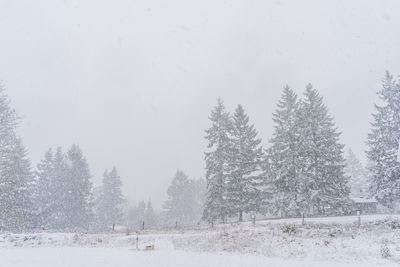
78 190
44 192
58 209
150 216
184 203
15 173
383 142
245 179
324 184
284 163
218 159
16 189
358 175
63 190
8 121
110 201
180 201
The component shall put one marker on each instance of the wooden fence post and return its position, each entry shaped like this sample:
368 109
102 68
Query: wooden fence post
137 241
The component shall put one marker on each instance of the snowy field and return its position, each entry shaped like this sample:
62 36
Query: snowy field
114 257
321 242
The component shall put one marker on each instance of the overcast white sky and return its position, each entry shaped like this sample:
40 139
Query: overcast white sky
133 82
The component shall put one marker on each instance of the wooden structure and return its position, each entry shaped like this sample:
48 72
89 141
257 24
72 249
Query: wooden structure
364 205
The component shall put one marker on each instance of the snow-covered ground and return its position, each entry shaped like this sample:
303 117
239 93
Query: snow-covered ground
339 220
320 242
123 257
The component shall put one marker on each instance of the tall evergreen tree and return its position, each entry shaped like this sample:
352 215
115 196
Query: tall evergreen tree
324 182
179 205
245 180
59 210
383 142
218 159
8 121
15 172
16 189
63 190
150 216
44 190
78 190
185 201
109 210
284 163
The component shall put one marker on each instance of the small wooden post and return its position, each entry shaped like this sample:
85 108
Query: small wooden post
358 218
137 241
113 227
176 224
143 225
302 219
253 219
212 223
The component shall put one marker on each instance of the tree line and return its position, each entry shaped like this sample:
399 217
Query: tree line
58 194
303 170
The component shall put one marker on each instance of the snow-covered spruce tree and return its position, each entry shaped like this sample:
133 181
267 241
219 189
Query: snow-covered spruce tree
182 204
358 175
109 206
283 159
323 181
150 216
44 193
58 209
383 142
15 173
8 121
16 189
178 206
217 159
77 190
63 190
245 180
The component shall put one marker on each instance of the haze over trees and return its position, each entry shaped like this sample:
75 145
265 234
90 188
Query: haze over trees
303 170
185 200
142 216
358 175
